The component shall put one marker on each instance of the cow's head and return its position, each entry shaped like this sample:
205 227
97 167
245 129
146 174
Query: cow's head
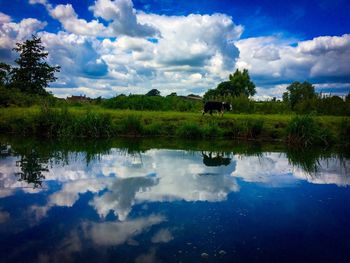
227 106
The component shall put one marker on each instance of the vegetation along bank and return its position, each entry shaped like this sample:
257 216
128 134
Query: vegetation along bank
97 122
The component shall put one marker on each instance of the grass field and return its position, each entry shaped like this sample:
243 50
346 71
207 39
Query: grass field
94 121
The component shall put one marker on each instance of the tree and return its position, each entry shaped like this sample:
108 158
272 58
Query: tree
299 92
242 83
33 74
239 84
153 92
5 71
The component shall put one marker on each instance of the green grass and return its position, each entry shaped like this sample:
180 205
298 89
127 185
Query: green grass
94 121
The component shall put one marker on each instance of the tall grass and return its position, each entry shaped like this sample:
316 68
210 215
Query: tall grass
62 123
97 122
189 130
303 130
344 132
247 128
131 125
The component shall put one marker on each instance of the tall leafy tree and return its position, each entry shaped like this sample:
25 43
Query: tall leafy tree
298 92
33 73
239 84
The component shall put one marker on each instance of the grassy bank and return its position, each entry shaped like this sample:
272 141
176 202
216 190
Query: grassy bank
98 122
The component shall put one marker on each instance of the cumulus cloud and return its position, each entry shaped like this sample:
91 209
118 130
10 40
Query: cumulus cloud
4 18
120 16
185 54
70 21
123 18
78 57
11 33
272 59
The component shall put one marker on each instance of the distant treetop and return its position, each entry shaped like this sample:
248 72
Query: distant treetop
239 84
153 92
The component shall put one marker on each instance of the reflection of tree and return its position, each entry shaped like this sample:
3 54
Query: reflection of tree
215 159
32 167
5 150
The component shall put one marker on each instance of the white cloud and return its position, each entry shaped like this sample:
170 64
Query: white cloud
123 18
188 54
42 2
272 59
11 33
70 21
4 18
119 14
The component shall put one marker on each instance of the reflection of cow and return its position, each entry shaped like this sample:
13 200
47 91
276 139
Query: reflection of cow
216 106
216 160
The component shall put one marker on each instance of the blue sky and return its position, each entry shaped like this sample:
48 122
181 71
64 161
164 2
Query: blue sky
108 47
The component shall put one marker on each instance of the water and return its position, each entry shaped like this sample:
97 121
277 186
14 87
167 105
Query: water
171 201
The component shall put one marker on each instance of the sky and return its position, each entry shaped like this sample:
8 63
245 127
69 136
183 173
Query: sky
111 47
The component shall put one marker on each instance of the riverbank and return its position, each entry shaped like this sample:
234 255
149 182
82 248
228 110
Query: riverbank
96 122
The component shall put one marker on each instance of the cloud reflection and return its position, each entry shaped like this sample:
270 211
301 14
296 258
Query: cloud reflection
119 180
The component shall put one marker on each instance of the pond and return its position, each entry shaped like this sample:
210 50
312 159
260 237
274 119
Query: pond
171 201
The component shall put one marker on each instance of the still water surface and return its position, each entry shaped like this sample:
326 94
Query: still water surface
117 202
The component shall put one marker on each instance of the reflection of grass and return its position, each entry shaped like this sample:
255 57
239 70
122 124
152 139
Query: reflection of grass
308 160
94 121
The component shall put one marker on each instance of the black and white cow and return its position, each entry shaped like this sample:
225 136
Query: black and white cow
216 106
